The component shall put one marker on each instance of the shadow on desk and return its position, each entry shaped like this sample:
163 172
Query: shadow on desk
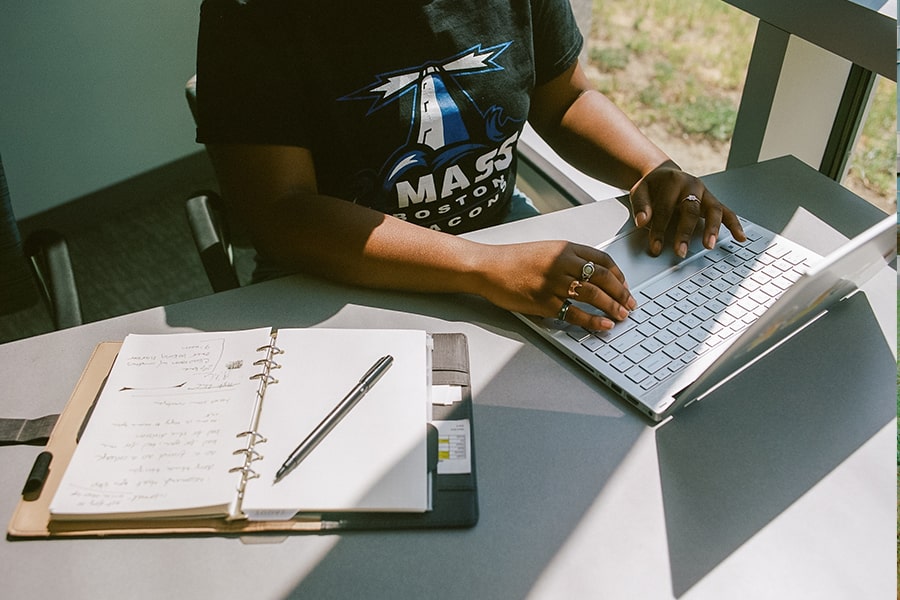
732 463
533 494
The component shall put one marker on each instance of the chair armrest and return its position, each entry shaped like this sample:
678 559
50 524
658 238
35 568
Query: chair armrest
206 217
49 256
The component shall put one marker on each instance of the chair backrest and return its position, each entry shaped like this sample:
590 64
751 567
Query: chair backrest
17 285
38 267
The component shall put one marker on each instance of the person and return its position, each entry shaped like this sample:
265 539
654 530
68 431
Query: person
355 139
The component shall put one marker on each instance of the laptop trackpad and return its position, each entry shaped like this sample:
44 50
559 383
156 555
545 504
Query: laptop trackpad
630 251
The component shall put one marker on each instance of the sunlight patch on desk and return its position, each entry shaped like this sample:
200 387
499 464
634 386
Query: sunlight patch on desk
611 550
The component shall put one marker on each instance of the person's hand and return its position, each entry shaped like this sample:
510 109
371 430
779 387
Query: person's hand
544 278
667 193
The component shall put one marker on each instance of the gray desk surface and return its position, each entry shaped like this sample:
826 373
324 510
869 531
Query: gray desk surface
789 494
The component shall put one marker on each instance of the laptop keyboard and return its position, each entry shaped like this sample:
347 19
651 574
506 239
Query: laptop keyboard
708 299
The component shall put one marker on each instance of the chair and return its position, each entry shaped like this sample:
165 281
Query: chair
39 267
209 226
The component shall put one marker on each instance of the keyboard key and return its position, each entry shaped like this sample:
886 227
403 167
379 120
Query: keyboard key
677 329
627 340
701 280
648 329
703 313
652 308
655 362
686 342
760 297
745 254
664 337
577 333
636 354
660 321
699 335
639 315
689 287
652 345
690 321
593 343
673 351
676 294
636 374
607 354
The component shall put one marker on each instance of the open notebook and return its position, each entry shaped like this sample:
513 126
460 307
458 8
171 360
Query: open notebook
196 424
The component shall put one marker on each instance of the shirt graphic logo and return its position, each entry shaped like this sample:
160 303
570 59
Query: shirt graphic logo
456 159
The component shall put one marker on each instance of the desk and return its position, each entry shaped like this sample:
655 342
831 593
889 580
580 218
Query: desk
581 497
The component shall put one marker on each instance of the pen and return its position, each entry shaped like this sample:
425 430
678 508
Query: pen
334 417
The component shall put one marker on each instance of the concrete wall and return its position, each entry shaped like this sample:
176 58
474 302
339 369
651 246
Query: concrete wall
91 93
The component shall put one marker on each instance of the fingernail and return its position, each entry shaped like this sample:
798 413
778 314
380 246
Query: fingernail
682 250
606 324
656 247
711 240
640 218
623 313
632 303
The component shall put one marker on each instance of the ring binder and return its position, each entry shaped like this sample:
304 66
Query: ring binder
252 434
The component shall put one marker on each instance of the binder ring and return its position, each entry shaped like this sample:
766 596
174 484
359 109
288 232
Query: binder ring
271 348
258 438
268 379
250 453
268 363
247 471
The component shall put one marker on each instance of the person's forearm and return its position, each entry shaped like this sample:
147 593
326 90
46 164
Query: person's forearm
597 138
349 243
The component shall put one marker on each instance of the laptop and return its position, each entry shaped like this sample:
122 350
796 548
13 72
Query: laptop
703 319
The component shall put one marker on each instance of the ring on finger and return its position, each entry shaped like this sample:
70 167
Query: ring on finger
561 315
573 288
690 198
588 270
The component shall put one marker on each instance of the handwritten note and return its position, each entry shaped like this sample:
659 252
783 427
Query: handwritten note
162 435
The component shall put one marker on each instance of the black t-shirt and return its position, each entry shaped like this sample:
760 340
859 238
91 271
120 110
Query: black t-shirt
409 107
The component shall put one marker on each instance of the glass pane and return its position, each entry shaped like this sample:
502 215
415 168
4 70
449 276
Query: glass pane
872 166
677 68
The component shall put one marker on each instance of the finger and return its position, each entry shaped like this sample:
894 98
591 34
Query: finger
598 297
658 226
641 206
606 275
713 216
731 221
689 211
590 321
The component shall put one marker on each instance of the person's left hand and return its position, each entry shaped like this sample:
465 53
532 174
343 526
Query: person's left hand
668 193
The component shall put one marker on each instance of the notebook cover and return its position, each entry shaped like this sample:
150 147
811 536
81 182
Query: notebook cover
454 498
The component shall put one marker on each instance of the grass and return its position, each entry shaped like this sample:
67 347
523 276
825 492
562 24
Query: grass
877 145
680 63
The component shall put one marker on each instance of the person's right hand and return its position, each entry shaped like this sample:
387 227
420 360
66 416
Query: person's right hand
540 278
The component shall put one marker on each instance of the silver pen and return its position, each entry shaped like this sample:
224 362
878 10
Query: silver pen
334 417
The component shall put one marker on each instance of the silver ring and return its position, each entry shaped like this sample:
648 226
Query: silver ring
561 315
690 198
588 270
